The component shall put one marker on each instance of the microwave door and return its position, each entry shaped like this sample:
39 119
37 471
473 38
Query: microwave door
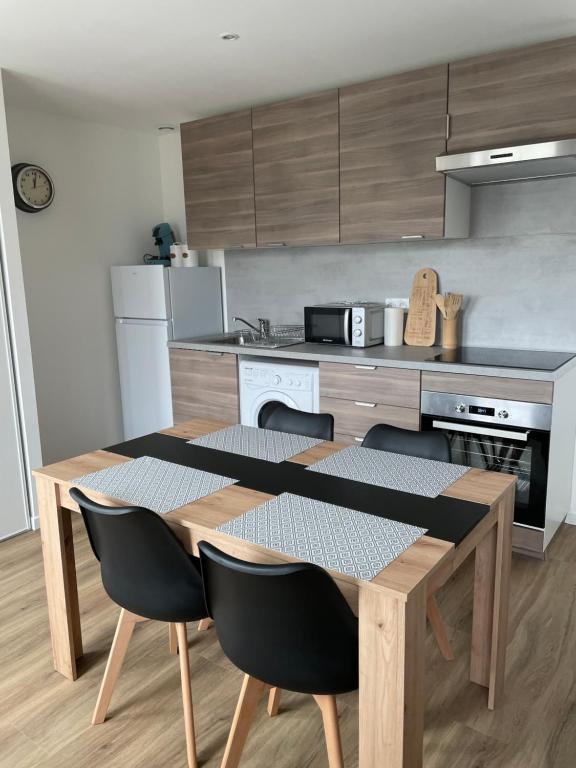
331 325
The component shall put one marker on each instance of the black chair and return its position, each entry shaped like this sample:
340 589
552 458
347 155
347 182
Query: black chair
426 445
148 573
285 626
282 418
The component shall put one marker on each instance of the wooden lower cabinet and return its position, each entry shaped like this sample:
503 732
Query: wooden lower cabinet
360 396
356 417
497 387
390 386
204 385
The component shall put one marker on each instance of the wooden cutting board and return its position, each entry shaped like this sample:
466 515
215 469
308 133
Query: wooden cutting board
421 324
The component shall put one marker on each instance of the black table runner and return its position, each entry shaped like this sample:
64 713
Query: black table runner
445 518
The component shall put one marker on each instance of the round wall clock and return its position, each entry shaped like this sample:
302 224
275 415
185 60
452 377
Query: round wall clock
33 187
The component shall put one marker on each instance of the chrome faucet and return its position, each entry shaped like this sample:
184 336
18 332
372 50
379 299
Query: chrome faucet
263 331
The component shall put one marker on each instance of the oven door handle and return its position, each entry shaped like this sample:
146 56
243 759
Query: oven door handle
470 428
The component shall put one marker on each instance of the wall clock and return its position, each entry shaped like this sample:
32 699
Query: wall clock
33 187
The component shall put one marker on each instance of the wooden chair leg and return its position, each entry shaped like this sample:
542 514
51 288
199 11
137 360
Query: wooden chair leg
187 695
204 624
329 711
172 639
124 630
274 701
438 628
250 695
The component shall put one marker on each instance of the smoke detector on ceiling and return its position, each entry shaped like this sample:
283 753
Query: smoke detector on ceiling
229 36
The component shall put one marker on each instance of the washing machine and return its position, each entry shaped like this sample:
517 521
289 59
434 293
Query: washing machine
262 380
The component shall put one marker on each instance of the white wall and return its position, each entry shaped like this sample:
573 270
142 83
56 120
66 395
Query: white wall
108 198
172 182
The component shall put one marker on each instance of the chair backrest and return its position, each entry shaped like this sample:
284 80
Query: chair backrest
282 418
426 445
144 566
287 625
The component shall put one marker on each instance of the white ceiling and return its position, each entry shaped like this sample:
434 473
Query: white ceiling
143 63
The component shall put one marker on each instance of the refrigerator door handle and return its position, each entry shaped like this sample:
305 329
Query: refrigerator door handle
138 321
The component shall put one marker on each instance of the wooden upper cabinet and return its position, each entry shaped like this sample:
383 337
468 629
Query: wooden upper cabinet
219 181
390 133
516 97
296 170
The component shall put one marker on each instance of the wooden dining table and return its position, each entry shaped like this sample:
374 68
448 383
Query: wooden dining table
391 608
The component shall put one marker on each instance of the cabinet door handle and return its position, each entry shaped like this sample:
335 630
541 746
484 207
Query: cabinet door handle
365 405
366 367
412 237
274 245
218 354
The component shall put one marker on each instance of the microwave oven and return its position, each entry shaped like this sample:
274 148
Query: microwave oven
352 324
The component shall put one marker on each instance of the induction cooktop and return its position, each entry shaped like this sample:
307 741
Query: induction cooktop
504 358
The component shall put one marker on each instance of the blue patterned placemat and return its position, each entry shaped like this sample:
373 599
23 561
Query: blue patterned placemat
255 442
158 485
334 537
411 474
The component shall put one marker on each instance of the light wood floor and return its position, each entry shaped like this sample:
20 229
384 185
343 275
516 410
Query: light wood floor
44 719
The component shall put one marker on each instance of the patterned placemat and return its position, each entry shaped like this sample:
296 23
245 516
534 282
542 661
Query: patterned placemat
334 537
158 485
412 474
258 443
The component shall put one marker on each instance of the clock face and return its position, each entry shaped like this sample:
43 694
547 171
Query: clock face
33 187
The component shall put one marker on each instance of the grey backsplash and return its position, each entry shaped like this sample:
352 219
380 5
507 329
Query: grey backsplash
517 270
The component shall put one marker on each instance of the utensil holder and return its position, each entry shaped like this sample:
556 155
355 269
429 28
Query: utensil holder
450 333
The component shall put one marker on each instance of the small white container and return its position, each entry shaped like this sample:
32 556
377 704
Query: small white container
176 250
394 326
189 258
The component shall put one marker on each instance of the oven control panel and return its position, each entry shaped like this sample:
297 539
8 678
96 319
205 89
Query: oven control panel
470 409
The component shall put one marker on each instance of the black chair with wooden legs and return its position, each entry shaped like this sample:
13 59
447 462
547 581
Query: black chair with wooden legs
148 573
282 418
285 626
426 445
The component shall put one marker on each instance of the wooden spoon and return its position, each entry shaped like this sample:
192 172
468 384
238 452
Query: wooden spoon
441 304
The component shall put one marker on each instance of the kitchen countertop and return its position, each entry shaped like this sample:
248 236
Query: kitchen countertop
380 355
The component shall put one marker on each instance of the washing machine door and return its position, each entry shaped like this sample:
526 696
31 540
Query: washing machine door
250 419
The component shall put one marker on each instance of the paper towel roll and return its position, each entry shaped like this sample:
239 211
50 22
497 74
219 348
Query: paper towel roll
189 258
176 250
393 326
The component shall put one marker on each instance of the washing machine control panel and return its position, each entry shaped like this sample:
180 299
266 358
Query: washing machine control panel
260 378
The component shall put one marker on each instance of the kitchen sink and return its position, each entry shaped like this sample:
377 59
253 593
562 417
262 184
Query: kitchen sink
249 339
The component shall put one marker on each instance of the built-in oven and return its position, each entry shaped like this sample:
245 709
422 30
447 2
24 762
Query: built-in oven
501 436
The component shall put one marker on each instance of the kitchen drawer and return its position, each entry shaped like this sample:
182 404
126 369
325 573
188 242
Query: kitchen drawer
525 390
204 385
389 386
352 417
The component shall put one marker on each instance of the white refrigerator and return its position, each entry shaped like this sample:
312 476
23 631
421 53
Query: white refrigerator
153 305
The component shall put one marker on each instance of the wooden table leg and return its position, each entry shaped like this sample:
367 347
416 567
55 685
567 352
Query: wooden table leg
60 577
391 698
491 597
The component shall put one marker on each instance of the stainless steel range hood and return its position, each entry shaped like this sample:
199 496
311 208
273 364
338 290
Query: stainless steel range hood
528 161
